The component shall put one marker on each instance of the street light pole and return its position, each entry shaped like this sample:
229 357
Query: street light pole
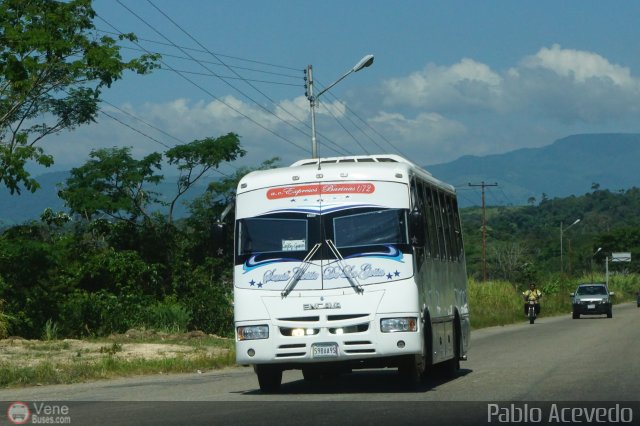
592 256
561 250
363 63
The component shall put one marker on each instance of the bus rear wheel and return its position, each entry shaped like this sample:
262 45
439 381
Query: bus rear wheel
449 368
269 377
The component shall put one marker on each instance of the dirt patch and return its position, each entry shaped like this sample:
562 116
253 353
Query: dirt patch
28 353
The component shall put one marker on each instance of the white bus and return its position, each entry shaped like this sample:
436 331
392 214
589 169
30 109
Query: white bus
348 262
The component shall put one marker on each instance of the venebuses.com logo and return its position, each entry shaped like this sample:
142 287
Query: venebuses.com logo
18 413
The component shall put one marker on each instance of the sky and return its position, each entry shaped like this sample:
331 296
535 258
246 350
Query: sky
449 79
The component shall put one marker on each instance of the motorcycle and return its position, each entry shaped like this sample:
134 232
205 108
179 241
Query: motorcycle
532 311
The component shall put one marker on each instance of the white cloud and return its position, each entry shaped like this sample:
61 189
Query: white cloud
433 115
427 139
579 66
460 86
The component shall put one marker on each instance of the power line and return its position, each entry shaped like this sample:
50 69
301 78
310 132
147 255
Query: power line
149 136
186 58
134 129
397 150
509 202
211 94
345 129
181 73
237 74
202 51
233 78
205 67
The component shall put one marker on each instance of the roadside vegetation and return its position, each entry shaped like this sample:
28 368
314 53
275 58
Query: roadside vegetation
496 303
51 360
138 352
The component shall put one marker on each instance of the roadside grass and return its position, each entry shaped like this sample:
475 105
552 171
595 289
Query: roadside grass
60 362
495 303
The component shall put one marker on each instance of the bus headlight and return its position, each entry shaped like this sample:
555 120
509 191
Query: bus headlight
253 332
392 325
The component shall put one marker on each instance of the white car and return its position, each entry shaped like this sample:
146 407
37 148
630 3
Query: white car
592 299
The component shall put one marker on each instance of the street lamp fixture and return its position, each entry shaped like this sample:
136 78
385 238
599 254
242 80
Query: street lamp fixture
592 256
363 63
561 249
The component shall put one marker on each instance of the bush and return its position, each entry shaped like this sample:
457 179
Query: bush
50 331
494 303
211 309
167 315
4 320
101 313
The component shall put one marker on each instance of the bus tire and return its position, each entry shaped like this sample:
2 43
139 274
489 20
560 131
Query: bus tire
269 377
411 369
311 374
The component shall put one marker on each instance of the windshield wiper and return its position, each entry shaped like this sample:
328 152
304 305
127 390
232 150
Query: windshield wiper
302 269
352 280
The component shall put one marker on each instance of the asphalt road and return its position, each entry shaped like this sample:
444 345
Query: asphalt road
585 362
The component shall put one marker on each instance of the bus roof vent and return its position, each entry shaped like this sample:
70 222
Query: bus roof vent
386 158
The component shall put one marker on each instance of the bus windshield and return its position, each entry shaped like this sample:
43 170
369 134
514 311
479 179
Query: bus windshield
371 228
299 232
266 235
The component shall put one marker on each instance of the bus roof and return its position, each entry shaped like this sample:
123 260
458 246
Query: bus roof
360 167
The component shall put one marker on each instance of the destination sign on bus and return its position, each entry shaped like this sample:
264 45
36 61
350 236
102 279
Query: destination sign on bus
320 189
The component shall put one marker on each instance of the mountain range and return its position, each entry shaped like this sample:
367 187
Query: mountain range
569 166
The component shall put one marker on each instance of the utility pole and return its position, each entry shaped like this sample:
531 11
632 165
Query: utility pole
366 61
484 229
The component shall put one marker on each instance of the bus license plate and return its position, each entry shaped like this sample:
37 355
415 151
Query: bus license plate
324 350
591 306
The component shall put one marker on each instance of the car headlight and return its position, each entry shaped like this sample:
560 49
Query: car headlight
253 332
392 325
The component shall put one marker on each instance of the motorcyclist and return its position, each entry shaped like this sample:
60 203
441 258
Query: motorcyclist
532 294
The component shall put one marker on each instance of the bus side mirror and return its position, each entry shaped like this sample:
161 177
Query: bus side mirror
416 229
218 234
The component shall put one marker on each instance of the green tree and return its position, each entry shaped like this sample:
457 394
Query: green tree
112 183
115 184
52 68
194 159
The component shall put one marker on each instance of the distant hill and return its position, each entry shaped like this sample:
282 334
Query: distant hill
569 166
15 209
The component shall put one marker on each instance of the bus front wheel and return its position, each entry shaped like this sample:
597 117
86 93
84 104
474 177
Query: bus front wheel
269 377
411 369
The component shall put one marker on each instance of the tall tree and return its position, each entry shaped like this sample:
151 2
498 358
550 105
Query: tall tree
53 68
115 184
112 183
195 159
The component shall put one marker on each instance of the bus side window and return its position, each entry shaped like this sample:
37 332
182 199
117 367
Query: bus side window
437 223
433 227
417 212
458 230
444 250
423 190
451 235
